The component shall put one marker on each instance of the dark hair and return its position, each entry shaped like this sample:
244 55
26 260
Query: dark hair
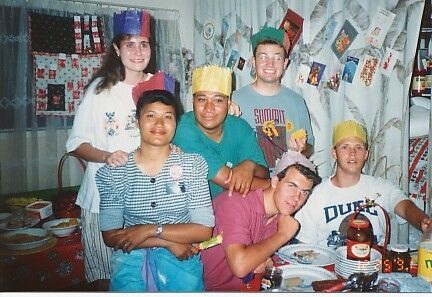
306 172
163 96
112 69
269 41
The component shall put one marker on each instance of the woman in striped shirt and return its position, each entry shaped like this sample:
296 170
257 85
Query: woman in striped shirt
154 208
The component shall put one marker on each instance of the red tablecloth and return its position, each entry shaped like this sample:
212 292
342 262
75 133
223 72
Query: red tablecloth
56 268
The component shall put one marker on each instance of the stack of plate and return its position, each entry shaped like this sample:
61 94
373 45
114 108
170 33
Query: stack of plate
345 267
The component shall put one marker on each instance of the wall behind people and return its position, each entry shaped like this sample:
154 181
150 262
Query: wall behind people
31 150
335 34
222 36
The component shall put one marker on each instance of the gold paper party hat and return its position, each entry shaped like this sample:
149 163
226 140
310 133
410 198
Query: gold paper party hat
212 78
348 129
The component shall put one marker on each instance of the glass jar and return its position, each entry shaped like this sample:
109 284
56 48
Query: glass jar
400 258
271 279
359 240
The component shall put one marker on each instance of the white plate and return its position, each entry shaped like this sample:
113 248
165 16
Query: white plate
28 245
306 273
30 221
326 256
341 253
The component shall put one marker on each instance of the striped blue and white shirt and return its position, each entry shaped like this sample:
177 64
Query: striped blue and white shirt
178 194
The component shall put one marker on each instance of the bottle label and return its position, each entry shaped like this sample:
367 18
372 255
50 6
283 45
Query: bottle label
425 261
358 250
419 83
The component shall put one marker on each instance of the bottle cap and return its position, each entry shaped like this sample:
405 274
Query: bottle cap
399 248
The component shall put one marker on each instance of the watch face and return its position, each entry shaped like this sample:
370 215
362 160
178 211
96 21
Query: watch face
159 230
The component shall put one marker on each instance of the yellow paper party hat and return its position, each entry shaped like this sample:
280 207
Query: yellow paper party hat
348 129
212 78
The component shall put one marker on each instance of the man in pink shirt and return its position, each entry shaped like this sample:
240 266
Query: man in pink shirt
256 226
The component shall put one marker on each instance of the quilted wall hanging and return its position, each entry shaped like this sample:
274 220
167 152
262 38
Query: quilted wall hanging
66 52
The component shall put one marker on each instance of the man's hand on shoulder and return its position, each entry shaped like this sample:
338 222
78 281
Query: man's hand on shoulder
117 158
240 178
234 109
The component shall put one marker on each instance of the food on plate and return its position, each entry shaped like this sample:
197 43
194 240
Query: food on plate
18 221
21 201
306 255
211 242
293 282
298 134
22 238
70 223
38 205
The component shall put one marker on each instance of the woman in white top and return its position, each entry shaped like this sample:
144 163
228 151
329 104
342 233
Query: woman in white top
105 130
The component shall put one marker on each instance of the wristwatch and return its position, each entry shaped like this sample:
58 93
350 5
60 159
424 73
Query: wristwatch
159 229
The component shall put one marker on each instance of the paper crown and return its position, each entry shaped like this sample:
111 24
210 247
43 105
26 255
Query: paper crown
134 22
159 81
292 157
347 129
212 78
269 33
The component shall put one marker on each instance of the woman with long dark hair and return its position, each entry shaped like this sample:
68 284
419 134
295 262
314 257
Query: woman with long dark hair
105 130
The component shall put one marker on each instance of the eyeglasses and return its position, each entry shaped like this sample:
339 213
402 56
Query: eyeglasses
293 187
264 58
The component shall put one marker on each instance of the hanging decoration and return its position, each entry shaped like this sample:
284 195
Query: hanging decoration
66 52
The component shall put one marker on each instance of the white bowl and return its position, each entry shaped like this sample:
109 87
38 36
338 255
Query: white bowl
50 226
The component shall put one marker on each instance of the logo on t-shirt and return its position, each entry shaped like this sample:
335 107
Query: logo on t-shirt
332 212
273 143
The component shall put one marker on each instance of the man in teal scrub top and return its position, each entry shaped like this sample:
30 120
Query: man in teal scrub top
228 143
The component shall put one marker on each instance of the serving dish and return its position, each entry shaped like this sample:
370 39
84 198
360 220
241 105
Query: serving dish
18 221
24 239
42 208
61 227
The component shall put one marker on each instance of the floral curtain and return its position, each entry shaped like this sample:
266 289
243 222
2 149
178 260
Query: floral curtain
224 26
31 145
